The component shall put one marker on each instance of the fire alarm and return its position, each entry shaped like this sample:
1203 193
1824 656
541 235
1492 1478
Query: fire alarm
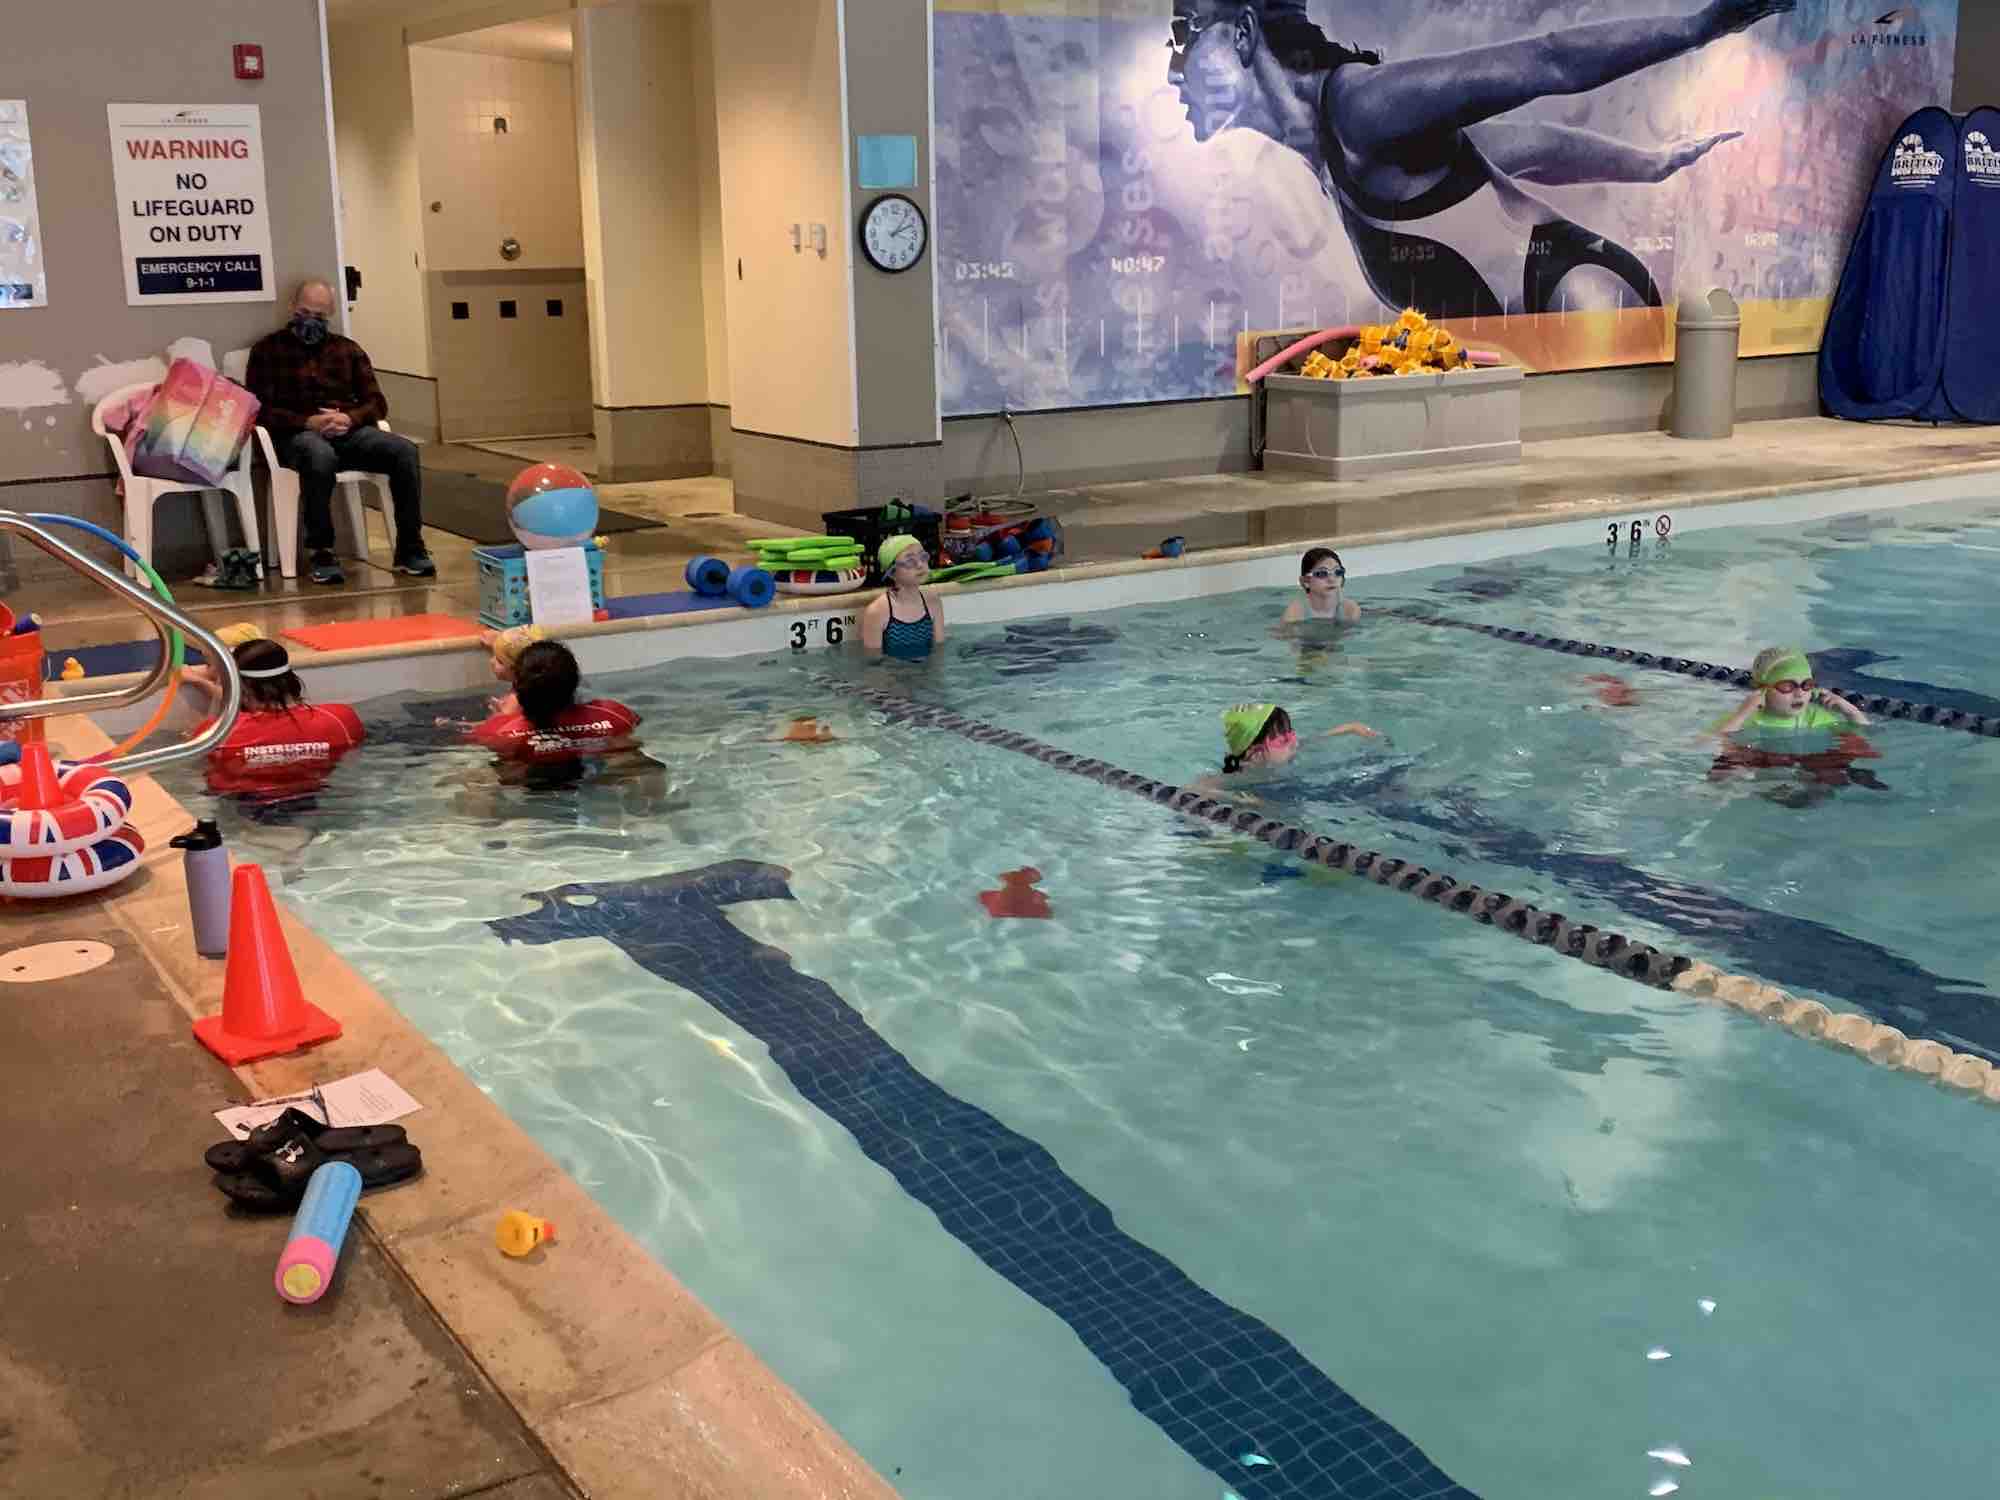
249 60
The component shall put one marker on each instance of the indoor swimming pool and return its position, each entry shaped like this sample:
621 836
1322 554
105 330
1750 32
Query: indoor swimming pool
1236 1175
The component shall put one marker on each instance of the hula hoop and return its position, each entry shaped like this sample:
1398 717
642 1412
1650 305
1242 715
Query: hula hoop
177 643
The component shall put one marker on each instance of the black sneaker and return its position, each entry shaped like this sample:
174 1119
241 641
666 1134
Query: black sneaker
417 564
240 569
326 569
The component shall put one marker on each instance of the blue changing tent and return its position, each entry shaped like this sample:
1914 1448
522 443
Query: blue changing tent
1906 335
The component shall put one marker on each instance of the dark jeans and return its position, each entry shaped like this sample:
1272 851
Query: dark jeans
369 449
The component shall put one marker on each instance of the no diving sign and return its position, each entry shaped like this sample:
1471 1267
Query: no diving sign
192 217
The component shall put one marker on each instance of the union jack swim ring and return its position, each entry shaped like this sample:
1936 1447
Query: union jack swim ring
95 803
103 863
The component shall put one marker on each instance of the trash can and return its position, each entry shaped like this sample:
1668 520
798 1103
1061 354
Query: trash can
1706 331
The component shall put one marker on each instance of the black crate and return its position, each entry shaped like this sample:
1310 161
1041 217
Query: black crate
871 528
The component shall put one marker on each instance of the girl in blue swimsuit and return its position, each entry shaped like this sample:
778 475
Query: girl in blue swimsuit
907 619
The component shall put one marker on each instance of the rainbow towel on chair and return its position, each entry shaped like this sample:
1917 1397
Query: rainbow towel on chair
192 427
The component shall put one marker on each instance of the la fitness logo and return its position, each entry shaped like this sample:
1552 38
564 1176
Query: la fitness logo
1981 160
1914 163
1901 27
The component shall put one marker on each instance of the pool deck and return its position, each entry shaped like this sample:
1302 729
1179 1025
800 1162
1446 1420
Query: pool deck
144 1352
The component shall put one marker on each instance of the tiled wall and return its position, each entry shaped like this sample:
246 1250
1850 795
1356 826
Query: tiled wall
482 184
512 352
652 442
794 483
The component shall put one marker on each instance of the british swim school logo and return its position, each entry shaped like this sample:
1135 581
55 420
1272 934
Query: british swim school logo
1914 163
1901 27
1981 160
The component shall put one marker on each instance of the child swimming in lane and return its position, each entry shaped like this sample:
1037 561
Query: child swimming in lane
1786 717
1787 698
1260 737
1323 577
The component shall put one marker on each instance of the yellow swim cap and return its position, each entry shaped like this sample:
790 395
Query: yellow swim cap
510 643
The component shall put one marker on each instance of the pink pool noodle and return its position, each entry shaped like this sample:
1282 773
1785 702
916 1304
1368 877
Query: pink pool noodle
1310 341
1346 331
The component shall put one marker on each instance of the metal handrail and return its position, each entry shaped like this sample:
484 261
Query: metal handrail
162 617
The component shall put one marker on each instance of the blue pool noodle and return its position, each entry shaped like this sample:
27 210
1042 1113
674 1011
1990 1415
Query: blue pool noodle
707 575
752 588
305 1269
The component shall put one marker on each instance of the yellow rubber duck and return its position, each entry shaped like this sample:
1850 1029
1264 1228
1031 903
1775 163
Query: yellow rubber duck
72 669
518 1233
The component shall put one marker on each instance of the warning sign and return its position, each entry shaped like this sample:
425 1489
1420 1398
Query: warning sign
192 216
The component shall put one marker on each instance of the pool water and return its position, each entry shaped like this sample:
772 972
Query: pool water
1557 1231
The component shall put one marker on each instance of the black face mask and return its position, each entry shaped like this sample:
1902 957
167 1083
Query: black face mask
308 328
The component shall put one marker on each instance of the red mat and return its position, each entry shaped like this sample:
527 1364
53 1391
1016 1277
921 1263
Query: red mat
397 632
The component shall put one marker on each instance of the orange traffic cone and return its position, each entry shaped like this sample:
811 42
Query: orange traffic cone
38 789
264 1012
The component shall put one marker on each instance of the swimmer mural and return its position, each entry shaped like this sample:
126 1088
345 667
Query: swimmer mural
1123 194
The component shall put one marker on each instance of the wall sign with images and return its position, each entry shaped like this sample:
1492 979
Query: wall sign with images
24 280
1125 189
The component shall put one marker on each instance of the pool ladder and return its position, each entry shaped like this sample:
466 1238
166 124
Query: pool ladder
164 618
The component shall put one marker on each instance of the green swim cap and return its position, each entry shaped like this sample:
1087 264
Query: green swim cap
1242 724
893 548
1790 662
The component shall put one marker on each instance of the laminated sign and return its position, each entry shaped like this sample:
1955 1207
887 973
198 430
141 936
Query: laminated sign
192 217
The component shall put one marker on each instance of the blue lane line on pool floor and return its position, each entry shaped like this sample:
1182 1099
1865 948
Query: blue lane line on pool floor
1216 1380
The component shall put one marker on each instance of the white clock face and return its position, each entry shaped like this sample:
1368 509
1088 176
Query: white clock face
893 233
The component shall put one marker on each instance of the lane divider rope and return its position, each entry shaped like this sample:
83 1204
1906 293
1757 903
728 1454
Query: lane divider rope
1611 951
1736 677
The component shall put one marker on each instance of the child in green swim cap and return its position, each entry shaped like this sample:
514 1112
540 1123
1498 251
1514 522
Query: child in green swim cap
1260 737
1786 697
1788 702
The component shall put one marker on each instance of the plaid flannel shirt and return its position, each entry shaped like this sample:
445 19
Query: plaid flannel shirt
293 380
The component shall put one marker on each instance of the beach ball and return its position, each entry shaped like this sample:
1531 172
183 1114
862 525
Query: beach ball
551 505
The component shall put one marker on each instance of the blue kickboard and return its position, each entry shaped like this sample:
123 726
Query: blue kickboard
680 602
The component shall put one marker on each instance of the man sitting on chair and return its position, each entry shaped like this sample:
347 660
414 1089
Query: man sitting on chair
321 403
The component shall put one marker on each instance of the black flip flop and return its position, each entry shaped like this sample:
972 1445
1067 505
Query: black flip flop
276 1180
235 1156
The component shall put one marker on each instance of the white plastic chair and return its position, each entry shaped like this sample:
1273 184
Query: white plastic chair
347 485
143 493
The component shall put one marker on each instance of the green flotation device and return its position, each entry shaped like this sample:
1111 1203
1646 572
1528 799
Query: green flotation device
1811 717
972 572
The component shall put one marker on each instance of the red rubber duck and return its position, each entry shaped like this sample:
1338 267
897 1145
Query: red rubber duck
1017 896
1613 692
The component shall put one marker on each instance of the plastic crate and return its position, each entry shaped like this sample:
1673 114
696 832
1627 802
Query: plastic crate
869 528
503 583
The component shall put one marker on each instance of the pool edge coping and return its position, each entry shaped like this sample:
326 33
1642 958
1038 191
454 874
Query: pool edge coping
707 1407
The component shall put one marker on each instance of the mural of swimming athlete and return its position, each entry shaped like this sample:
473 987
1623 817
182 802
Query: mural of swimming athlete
1426 176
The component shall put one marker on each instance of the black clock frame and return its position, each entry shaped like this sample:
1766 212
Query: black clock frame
861 232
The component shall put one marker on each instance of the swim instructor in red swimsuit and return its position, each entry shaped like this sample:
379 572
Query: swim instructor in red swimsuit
551 726
280 745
